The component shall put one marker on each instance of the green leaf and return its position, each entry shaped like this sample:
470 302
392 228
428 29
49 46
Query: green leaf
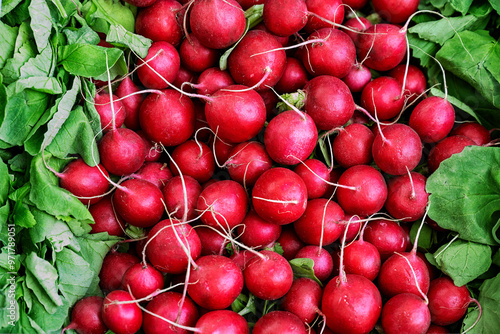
119 69
49 323
456 102
4 182
461 6
18 15
41 22
50 228
48 85
8 6
8 36
24 49
496 5
75 275
22 216
422 49
465 199
489 299
111 12
41 278
137 43
427 237
244 305
40 66
496 258
83 35
463 261
88 60
480 67
303 267
90 111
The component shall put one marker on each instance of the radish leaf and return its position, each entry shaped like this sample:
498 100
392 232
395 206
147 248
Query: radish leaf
303 267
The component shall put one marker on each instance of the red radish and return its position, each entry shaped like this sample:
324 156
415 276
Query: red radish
195 56
121 318
353 226
257 233
356 23
242 257
211 80
332 11
212 243
155 172
247 161
113 268
268 276
319 225
106 219
433 271
290 243
142 280
167 118
294 77
335 56
355 4
362 258
161 22
185 77
328 101
153 150
382 98
252 60
86 316
285 17
303 299
279 196
358 77
131 103
314 173
109 112
139 202
160 65
245 4
446 148
168 243
383 45
217 24
432 119
415 80
407 198
168 306
369 194
395 11
176 199
290 137
353 145
397 149
387 236
279 322
193 159
236 116
331 190
222 322
84 181
435 329
122 151
395 319
141 3
473 130
215 283
221 150
323 262
283 40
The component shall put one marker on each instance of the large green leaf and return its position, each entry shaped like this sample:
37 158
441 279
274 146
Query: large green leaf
465 194
41 22
41 278
8 36
75 275
88 60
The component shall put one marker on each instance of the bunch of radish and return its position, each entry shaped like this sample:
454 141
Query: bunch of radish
200 159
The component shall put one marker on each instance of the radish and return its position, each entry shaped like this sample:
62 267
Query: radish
303 299
222 322
217 24
353 145
141 3
247 161
351 227
242 257
106 219
382 98
245 4
367 192
283 40
234 114
88 184
153 150
279 196
294 77
257 233
160 66
279 322
121 318
397 149
289 242
221 150
355 4
328 101
111 113
335 56
268 276
415 83
356 23
185 77
122 151
86 316
212 243
407 197
195 56
175 198
142 280
131 103
322 13
395 11
193 159
215 283
435 329
387 236
395 317
285 17
362 258
358 77
323 262
473 130
314 173
167 306
139 202
290 137
161 22
432 119
113 268
320 223
223 204
168 244
446 148
155 172
167 118
211 80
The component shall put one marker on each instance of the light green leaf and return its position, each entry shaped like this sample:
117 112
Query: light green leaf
50 228
303 267
41 22
111 12
75 275
41 278
8 6
461 6
88 60
40 66
83 35
22 216
137 43
8 36
24 49
119 69
422 49
465 199
49 323
496 5
48 85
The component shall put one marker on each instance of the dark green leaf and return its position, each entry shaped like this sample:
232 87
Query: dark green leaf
465 199
88 60
480 9
303 267
427 237
496 5
119 69
17 15
8 36
461 6
4 182
8 5
496 258
41 22
137 43
49 323
41 278
422 49
244 305
75 275
22 216
90 111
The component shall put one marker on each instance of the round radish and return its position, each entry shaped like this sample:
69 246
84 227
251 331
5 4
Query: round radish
407 198
446 148
314 173
86 316
432 119
285 17
353 145
193 159
279 322
160 22
415 80
473 130
113 268
289 242
195 56
323 262
121 318
382 98
362 258
332 11
142 280
303 299
257 233
155 172
107 111
153 151
387 236
156 72
356 23
395 315
242 257
247 161
358 77
222 322
395 11
294 77
212 243
131 103
176 200
211 80
106 219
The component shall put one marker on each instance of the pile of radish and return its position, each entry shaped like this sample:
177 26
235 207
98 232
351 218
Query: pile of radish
312 138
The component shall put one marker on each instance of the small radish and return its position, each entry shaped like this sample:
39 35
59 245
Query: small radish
358 77
294 77
314 173
322 13
222 322
289 242
113 268
212 243
356 23
211 80
161 22
153 150
323 262
362 258
353 145
446 148
111 114
395 317
131 103
395 11
176 199
473 130
106 219
155 172
283 40
382 98
355 4
195 56
86 316
247 161
185 77
221 150
433 119
303 299
387 236
121 318
193 159
407 198
242 257
143 280
279 322
285 17
257 233
160 66
353 225
415 80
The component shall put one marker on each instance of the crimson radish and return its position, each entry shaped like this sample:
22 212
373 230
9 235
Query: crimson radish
121 318
415 83
382 98
387 236
279 322
142 280
323 262
195 56
160 22
247 161
395 11
314 173
407 198
106 219
473 130
395 319
160 66
155 172
111 113
193 159
353 145
256 232
176 199
127 92
222 322
294 77
446 148
323 13
358 77
285 23
86 316
114 266
362 258
433 119
303 299
290 243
